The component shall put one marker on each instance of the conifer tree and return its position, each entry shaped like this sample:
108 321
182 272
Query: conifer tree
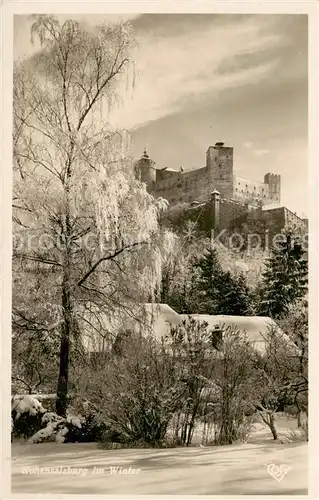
285 277
219 291
235 299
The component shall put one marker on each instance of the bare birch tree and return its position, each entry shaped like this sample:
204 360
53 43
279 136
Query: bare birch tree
80 216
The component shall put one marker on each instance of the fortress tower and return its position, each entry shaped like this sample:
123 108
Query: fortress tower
219 165
146 171
274 185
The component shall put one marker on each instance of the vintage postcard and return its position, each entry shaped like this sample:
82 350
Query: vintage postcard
159 249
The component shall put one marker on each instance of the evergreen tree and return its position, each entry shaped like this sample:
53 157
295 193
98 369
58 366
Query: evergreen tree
285 277
234 297
219 291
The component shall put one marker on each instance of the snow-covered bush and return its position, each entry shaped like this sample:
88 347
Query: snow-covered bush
26 415
29 419
57 428
300 434
137 392
92 428
26 404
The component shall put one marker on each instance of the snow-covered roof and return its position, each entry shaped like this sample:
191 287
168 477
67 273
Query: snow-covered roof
255 327
157 310
161 316
157 319
271 206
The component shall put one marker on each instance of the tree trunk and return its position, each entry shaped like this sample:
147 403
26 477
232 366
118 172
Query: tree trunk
269 419
301 418
177 425
226 430
191 427
185 427
67 324
62 389
272 426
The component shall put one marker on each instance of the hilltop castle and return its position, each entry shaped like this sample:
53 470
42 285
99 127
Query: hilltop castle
217 198
178 186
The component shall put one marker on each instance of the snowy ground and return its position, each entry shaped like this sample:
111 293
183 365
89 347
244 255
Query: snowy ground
227 470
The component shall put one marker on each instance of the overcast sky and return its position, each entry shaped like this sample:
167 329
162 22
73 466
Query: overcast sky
207 78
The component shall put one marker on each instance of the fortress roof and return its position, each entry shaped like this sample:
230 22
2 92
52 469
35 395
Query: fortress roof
272 206
170 170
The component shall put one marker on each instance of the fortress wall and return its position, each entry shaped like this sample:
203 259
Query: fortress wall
194 185
202 215
197 185
292 220
224 186
249 190
236 218
176 217
275 222
254 223
163 176
178 187
230 210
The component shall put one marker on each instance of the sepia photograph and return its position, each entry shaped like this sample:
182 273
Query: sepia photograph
160 249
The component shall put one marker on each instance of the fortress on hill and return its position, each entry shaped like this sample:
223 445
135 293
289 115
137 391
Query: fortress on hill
217 199
178 186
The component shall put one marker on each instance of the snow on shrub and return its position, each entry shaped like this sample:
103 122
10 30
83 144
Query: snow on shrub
26 414
50 417
60 436
26 404
56 429
34 422
75 420
46 434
